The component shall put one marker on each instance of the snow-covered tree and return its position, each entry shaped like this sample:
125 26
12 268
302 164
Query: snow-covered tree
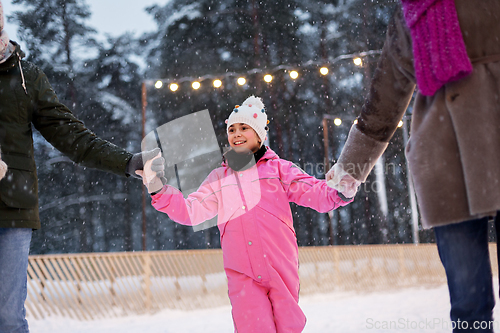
56 34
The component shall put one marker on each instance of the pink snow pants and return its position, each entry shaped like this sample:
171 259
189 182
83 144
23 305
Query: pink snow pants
264 307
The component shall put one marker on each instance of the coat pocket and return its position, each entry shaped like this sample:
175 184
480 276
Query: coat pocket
19 188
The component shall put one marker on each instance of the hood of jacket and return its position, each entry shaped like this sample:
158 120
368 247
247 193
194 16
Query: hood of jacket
14 58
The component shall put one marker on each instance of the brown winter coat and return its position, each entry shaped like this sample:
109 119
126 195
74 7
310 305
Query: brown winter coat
454 148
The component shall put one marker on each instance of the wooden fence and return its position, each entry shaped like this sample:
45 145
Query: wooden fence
99 285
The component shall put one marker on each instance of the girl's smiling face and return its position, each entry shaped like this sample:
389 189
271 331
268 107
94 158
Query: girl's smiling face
242 138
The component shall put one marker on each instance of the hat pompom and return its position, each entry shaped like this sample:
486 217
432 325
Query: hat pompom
254 101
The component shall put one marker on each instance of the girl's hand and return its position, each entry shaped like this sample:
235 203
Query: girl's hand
343 182
349 186
153 174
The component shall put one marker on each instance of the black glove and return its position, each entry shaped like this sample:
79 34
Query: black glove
137 161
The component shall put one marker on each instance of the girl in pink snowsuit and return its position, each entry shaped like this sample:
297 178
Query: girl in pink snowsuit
258 240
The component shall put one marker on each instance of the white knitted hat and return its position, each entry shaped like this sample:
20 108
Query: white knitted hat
252 113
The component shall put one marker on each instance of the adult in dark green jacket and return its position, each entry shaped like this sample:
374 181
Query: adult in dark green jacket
26 99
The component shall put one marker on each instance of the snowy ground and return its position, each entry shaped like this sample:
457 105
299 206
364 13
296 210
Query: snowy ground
411 310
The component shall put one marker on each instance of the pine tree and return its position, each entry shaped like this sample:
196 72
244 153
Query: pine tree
55 33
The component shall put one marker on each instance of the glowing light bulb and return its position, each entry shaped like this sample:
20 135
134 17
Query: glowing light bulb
400 124
196 85
268 78
158 84
294 75
174 86
241 81
217 83
323 71
337 121
357 61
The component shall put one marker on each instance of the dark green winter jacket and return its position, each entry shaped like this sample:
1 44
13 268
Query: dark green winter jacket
39 105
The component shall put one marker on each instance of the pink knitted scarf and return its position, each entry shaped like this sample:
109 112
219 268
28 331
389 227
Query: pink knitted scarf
438 47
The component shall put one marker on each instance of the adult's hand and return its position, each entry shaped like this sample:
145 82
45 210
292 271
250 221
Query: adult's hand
137 161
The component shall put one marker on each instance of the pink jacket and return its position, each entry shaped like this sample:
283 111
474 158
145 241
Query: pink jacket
254 216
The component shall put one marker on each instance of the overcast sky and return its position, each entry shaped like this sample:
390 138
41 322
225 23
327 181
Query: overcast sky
108 16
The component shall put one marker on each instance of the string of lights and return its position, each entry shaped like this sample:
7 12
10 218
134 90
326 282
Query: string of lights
173 84
293 71
338 121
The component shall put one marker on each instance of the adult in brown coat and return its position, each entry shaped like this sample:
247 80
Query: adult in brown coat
454 149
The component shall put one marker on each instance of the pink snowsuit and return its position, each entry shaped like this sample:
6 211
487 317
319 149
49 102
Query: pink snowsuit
258 240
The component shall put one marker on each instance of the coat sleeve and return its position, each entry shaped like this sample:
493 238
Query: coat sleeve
69 135
389 94
198 207
308 191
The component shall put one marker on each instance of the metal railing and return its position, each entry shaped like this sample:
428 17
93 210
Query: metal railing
99 285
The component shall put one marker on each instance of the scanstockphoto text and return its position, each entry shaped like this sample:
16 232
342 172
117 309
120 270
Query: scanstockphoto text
431 324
